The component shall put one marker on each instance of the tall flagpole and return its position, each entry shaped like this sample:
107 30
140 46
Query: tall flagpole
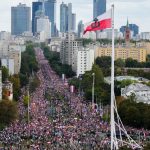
112 85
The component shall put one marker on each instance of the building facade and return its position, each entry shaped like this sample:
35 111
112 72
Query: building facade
44 28
36 6
63 17
80 29
67 18
50 11
140 91
137 53
83 61
133 28
20 19
69 46
99 7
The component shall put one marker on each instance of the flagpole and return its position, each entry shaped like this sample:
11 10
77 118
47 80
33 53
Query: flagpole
112 84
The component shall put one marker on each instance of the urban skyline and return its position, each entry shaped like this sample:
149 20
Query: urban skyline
121 13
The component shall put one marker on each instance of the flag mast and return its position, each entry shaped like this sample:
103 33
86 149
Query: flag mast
114 144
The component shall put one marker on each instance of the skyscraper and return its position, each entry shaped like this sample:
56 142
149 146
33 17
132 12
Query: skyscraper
133 27
50 11
73 22
80 29
20 19
99 7
63 17
67 18
36 6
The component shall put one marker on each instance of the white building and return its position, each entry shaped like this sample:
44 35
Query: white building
44 28
0 84
140 91
69 48
55 44
84 61
5 35
145 36
9 64
9 51
107 34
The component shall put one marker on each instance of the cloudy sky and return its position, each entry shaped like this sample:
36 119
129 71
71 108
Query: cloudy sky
137 11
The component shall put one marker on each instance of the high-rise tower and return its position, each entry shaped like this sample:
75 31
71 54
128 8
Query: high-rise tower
36 6
20 19
99 7
50 11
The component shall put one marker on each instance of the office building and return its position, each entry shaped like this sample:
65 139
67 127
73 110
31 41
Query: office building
99 7
44 28
67 18
63 17
36 6
69 46
133 28
73 23
80 29
50 11
20 19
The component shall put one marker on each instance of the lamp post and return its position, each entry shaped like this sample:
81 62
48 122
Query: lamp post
93 74
28 106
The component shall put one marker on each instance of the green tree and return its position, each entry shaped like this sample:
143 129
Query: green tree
25 100
147 146
125 148
120 63
16 86
8 112
5 73
131 63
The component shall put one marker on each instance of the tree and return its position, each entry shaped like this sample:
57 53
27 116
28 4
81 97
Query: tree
125 148
133 116
5 73
147 119
8 112
147 146
25 100
120 63
16 86
131 63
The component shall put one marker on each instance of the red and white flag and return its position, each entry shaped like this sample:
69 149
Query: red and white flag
100 23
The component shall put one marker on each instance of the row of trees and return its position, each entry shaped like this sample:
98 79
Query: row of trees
58 67
130 113
84 83
28 64
104 63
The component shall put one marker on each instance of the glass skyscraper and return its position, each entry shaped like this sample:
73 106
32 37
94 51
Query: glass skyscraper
99 7
50 11
20 19
67 18
63 17
36 6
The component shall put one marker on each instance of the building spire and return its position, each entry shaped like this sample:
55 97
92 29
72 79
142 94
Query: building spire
127 23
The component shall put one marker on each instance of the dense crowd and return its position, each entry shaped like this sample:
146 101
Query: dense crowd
62 124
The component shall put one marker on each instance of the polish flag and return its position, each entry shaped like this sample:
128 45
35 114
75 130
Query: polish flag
100 23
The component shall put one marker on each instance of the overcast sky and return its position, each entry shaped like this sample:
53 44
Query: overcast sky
137 11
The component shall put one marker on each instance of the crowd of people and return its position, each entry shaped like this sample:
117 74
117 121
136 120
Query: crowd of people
61 120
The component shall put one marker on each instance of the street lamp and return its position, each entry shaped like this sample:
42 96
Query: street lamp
28 105
93 74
